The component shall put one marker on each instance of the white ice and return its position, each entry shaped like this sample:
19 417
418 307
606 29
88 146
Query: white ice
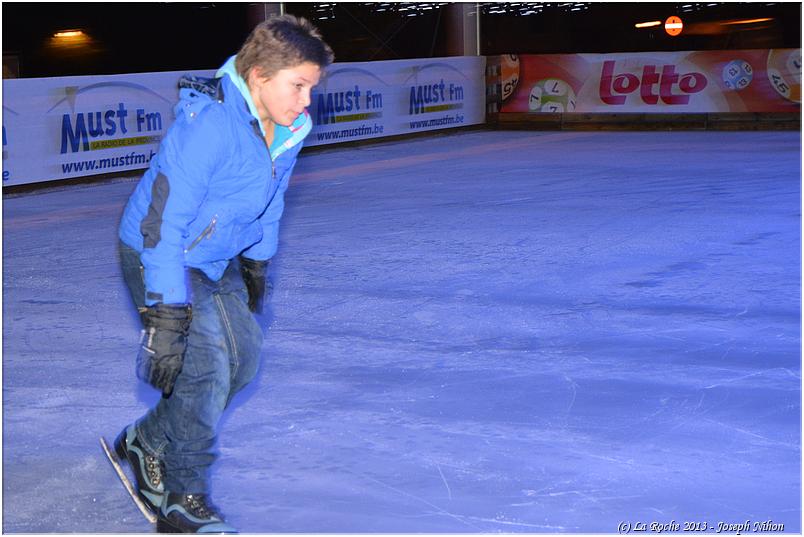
483 331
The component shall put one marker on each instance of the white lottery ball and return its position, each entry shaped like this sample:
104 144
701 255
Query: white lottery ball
737 74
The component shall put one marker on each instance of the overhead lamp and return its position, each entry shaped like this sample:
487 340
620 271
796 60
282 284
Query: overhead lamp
68 33
70 39
647 24
748 21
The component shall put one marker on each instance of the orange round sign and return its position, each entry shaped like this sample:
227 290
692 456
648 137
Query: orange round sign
673 25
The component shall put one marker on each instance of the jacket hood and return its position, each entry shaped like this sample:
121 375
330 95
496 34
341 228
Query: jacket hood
284 137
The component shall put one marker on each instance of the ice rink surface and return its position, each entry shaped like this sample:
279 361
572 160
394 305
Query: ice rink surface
475 332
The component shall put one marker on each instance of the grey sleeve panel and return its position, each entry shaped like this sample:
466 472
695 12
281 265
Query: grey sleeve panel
151 225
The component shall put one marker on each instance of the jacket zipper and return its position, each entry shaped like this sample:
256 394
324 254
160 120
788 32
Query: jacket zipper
258 132
204 234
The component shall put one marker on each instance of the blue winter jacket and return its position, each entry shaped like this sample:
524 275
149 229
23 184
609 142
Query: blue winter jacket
212 191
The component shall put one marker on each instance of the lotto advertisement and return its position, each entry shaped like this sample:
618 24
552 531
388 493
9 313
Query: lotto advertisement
660 82
60 128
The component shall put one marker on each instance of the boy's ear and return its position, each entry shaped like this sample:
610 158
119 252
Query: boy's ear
254 75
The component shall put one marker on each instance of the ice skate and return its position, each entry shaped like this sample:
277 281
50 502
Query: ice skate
190 513
148 469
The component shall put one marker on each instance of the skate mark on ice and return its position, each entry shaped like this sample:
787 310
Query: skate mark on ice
444 479
574 387
750 375
544 527
766 441
439 510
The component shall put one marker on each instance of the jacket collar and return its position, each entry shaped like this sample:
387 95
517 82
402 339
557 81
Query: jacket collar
284 137
228 70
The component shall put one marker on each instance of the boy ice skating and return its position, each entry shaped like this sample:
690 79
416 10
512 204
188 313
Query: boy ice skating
197 236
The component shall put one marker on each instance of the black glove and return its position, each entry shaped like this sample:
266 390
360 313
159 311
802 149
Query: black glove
253 273
164 341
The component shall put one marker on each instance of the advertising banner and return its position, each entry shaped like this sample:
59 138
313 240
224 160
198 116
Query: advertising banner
365 100
653 82
60 128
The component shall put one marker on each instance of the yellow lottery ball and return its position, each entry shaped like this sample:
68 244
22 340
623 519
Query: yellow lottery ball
784 73
509 71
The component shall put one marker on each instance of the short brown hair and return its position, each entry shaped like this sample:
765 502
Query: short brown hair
281 43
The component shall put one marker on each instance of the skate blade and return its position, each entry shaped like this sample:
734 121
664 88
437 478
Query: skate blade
112 456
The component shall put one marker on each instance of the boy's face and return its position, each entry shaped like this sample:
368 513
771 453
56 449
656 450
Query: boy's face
284 96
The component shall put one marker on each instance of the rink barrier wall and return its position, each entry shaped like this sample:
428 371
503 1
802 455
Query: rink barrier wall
70 127
706 90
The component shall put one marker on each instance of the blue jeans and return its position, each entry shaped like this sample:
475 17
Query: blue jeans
223 354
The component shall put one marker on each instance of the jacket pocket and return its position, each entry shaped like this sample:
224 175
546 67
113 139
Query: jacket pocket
207 233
